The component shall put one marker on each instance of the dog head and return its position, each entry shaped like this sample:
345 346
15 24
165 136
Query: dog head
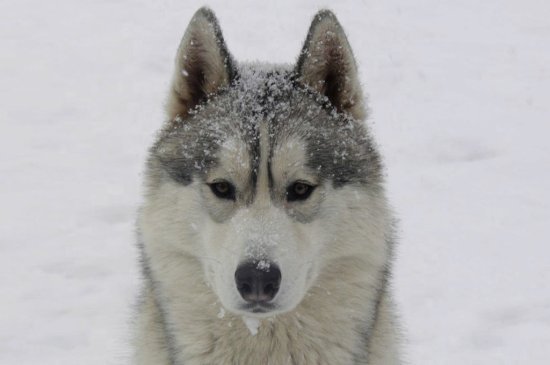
259 169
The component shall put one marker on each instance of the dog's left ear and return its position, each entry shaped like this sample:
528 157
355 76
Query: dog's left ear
326 64
203 65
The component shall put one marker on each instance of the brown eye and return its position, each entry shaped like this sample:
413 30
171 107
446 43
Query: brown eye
223 190
299 191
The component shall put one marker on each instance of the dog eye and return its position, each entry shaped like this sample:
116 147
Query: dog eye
223 190
299 191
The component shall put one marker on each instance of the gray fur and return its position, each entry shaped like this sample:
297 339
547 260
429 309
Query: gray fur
339 148
261 127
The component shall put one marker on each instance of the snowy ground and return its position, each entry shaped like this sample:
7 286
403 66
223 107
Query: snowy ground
460 97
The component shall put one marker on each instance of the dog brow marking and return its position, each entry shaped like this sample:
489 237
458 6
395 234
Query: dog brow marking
262 184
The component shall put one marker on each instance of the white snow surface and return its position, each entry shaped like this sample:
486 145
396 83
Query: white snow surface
459 93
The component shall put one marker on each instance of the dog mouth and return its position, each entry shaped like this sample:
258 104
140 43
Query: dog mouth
258 308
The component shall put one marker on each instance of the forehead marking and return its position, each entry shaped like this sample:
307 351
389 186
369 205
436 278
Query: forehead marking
288 160
235 159
263 182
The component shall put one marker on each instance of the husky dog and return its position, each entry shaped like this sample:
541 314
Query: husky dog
265 234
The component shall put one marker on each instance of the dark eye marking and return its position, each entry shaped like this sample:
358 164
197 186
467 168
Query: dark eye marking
223 189
299 190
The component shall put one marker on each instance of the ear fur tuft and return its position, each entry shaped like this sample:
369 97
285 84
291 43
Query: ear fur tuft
326 65
203 65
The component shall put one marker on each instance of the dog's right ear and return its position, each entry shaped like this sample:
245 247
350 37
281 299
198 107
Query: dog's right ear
203 65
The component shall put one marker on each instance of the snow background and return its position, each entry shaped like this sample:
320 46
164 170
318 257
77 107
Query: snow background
459 92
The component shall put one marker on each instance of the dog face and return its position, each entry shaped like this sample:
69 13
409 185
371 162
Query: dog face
259 168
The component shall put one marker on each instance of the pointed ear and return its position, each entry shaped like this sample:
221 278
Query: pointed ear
203 65
326 65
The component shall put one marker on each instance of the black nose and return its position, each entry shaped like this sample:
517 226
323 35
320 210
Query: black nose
258 282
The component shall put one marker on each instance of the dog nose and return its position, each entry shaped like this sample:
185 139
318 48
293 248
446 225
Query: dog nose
258 282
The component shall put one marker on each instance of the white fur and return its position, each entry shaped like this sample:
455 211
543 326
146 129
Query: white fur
344 247
317 331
